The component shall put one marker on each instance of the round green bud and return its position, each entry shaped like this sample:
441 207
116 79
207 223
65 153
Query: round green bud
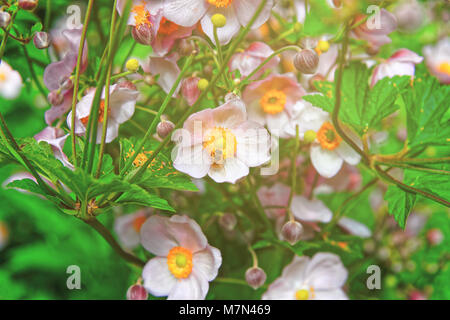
218 20
203 84
132 65
310 136
298 27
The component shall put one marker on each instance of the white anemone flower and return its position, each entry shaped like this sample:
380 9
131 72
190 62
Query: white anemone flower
10 81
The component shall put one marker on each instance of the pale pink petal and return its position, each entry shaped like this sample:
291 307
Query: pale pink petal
190 90
325 272
207 262
185 12
232 170
225 33
326 162
193 287
229 115
295 272
158 280
310 210
155 236
335 294
354 227
253 143
168 72
280 289
245 9
193 160
187 233
348 154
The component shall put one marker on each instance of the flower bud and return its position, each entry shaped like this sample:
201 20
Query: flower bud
218 20
5 19
255 277
28 4
309 136
203 84
143 34
41 40
291 231
164 128
306 61
434 236
137 292
132 65
186 47
228 221
55 98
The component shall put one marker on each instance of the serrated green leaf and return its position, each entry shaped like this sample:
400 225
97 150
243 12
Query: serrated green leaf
400 204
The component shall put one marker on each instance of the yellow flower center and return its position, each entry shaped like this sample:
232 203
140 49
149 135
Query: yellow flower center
138 222
444 67
220 3
179 261
167 27
220 143
273 101
141 15
328 137
304 294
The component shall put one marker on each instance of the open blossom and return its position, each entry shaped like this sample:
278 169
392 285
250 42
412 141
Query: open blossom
221 143
237 12
437 59
184 264
57 74
55 137
318 278
375 30
246 62
401 63
122 101
10 81
276 196
271 101
128 228
167 69
328 150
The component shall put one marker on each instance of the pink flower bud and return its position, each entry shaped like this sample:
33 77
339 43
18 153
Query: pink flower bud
28 4
434 236
41 40
55 98
306 61
255 277
142 34
291 231
5 19
137 292
228 221
164 128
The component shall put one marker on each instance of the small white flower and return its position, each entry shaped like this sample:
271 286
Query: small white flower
318 278
10 81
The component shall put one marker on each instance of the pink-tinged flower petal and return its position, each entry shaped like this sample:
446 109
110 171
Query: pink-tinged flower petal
193 160
229 115
306 117
11 84
277 195
187 233
245 9
232 170
168 71
348 154
405 55
295 272
126 230
185 12
225 33
163 43
310 210
336 294
196 125
56 112
253 143
326 271
354 227
190 90
155 236
122 103
193 287
207 262
280 289
326 162
55 137
277 124
158 280
438 59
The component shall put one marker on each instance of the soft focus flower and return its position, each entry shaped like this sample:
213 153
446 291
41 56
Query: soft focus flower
184 264
328 150
354 227
246 62
410 15
437 59
4 235
401 63
55 137
276 196
310 210
237 12
57 74
271 101
318 278
128 227
190 90
221 143
121 108
375 35
10 81
167 69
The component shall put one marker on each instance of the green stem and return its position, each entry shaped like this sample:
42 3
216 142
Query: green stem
412 167
48 12
293 172
257 203
6 34
33 74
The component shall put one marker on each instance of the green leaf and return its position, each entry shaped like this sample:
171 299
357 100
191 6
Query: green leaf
400 204
138 196
320 19
37 27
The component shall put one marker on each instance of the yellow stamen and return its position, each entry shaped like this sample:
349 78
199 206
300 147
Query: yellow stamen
273 101
179 261
220 143
302 294
220 3
444 67
328 137
142 15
